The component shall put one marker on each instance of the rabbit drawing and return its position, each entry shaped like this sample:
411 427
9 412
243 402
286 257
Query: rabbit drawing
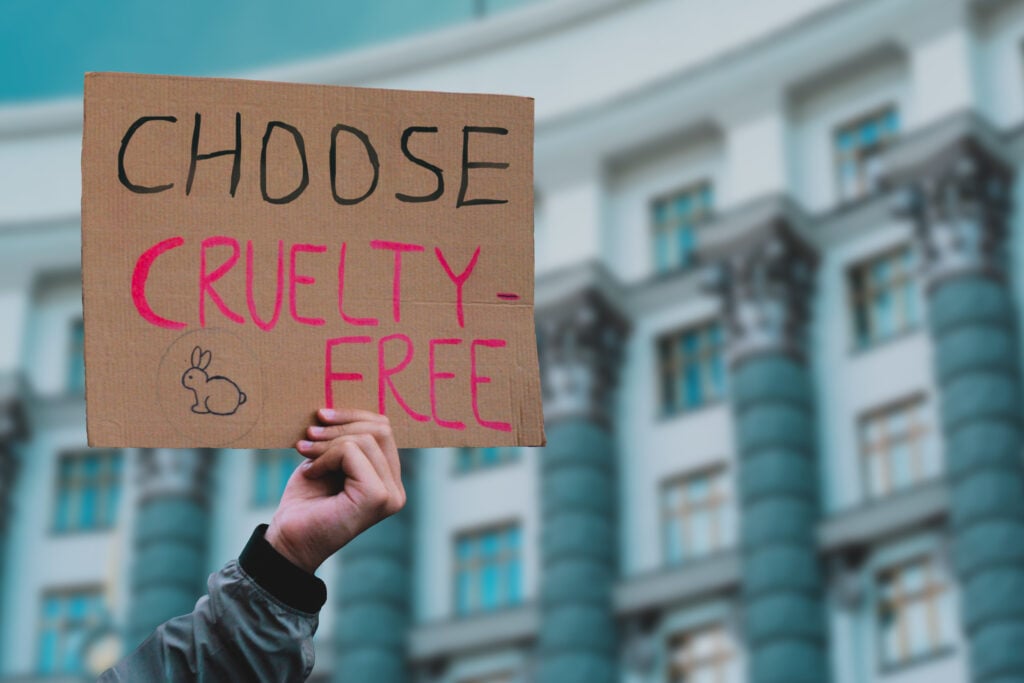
215 395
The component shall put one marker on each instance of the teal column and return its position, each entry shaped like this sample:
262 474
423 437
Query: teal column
170 538
12 426
765 279
959 201
374 596
10 430
580 344
783 591
7 472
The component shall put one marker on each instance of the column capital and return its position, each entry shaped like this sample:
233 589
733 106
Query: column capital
581 334
12 428
761 263
183 473
13 424
955 185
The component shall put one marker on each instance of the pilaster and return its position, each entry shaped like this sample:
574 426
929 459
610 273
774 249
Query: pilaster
12 429
374 596
763 271
171 536
954 186
581 334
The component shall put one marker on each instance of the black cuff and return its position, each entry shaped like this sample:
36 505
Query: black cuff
291 585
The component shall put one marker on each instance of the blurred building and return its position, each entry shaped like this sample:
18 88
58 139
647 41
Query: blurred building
777 303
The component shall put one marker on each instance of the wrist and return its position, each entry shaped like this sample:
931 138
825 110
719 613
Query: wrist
279 576
281 544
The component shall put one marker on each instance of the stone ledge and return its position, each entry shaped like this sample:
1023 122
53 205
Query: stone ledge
717 574
441 639
876 520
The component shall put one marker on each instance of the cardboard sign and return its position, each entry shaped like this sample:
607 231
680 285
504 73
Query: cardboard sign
254 251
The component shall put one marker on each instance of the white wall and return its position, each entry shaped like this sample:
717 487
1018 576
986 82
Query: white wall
571 220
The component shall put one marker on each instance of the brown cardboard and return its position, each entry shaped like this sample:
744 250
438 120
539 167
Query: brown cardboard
186 353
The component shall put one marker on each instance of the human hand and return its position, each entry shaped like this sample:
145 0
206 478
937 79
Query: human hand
351 480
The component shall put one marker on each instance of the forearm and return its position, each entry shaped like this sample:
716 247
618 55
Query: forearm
256 624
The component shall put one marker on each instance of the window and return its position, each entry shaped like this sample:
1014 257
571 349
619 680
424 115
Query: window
914 612
884 297
76 358
894 448
700 656
859 146
487 569
675 219
697 516
67 619
692 368
271 471
88 490
473 459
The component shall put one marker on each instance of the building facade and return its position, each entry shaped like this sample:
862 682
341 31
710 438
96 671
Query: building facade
777 301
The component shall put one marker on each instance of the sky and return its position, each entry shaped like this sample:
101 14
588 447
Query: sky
46 47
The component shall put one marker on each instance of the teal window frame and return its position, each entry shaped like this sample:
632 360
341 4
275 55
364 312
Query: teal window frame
674 220
908 594
696 516
885 297
88 490
488 569
895 449
67 617
858 146
691 368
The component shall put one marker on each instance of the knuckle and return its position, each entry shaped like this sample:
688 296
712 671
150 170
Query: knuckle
378 498
394 504
341 450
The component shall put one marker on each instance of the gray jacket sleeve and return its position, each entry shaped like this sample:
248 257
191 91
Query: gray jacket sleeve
255 624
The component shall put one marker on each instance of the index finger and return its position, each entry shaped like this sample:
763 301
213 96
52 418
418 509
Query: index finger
351 416
338 416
